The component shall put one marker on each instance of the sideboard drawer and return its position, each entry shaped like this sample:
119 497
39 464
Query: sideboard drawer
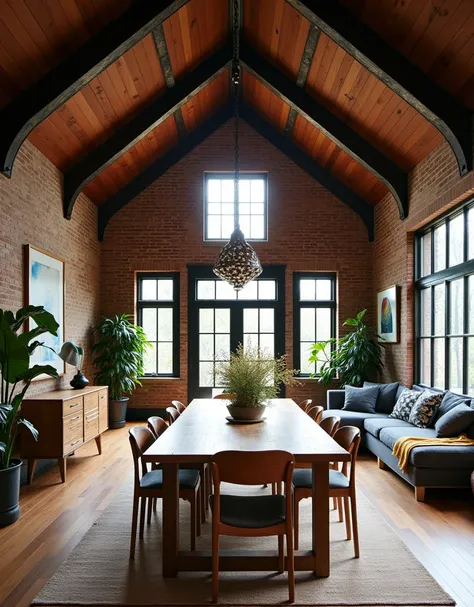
73 431
91 401
73 405
91 424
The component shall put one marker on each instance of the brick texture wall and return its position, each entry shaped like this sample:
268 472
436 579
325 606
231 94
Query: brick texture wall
162 230
31 213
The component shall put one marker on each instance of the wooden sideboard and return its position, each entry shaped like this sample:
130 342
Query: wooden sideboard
65 420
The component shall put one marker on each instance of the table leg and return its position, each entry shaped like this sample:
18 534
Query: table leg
321 518
170 528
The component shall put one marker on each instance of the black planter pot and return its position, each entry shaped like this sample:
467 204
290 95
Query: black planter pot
10 493
117 413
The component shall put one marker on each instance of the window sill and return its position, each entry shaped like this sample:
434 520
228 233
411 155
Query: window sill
158 378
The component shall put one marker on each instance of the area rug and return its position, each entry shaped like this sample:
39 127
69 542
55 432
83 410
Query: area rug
99 572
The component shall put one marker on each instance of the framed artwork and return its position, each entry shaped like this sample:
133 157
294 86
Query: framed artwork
387 315
44 282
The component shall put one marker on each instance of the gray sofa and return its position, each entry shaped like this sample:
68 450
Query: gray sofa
442 466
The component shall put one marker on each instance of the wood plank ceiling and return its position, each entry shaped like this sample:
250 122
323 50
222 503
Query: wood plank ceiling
35 35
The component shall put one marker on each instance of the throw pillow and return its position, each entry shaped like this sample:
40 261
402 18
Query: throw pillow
455 422
404 404
387 396
362 400
450 401
425 408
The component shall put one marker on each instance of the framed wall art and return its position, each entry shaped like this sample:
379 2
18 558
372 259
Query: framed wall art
388 315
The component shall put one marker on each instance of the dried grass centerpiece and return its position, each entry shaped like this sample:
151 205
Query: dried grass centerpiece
254 377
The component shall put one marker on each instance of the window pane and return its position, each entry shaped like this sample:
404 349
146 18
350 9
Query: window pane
227 226
206 289
222 320
244 208
250 341
206 347
456 240
456 310
267 324
308 326
267 344
206 321
213 226
426 254
257 190
257 226
149 323
258 208
251 320
455 364
305 366
222 346
165 324
244 221
470 221
440 248
149 289
227 208
307 289
425 362
165 289
227 190
224 290
470 367
149 361
165 358
323 290
440 309
213 190
244 190
438 357
206 375
266 289
323 324
214 208
249 291
426 311
471 303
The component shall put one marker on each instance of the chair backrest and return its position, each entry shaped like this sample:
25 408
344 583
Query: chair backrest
141 439
157 425
225 396
173 414
330 424
305 404
316 413
252 467
348 437
177 404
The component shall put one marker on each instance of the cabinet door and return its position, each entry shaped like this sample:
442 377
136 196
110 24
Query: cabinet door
91 401
103 410
91 424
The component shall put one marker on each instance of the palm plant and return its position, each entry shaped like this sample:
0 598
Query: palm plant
353 358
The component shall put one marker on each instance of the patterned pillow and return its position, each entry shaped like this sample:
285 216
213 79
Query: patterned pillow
425 408
404 404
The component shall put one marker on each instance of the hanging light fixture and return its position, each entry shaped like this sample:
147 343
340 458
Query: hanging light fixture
237 262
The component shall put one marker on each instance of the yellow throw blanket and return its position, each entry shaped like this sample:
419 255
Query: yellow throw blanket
404 445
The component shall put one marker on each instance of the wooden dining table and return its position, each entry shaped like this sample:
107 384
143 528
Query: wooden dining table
203 430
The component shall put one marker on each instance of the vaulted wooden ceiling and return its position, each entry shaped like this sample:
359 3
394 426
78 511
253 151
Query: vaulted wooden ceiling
305 70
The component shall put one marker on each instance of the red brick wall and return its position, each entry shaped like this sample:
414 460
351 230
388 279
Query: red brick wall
31 212
161 230
435 187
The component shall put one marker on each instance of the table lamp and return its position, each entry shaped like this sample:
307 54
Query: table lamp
74 355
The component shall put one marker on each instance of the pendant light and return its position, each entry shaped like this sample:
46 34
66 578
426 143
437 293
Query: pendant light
237 262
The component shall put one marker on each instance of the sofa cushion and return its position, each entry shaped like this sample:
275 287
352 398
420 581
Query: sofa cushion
353 418
443 457
373 425
455 422
405 404
361 399
387 396
425 408
450 400
389 436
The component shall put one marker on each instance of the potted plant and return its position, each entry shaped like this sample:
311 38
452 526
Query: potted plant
353 358
252 378
16 349
120 347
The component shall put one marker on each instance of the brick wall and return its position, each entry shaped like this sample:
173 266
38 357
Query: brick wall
31 213
161 230
434 188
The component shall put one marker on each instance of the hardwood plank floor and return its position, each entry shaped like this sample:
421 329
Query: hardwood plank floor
55 516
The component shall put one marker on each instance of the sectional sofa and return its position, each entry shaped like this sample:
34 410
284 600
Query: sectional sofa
430 466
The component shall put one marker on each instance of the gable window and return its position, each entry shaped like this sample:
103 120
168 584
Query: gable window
158 314
445 302
219 205
314 315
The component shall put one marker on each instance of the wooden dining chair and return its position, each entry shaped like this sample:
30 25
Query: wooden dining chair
177 404
157 425
341 484
250 516
330 424
305 404
316 413
149 485
225 396
172 414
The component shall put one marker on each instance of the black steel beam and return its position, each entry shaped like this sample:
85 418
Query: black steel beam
159 167
444 111
78 176
319 173
395 178
37 102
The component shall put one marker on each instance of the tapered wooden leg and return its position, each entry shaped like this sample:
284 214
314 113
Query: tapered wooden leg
291 566
381 464
199 506
170 526
281 555
215 564
296 514
193 522
98 442
31 469
203 494
62 468
420 494
142 516
347 517
150 505
321 518
355 526
155 501
133 536
334 503
339 508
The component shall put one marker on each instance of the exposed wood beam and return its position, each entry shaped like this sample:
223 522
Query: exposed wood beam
145 121
444 111
36 103
160 166
319 173
395 178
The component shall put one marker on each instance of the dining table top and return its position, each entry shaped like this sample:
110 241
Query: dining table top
202 430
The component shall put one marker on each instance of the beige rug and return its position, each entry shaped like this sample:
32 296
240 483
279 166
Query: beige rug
99 572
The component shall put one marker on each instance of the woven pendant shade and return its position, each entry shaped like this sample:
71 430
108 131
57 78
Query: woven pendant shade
237 263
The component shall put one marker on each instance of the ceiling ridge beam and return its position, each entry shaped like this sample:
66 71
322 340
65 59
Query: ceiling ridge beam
443 110
40 100
121 198
395 178
86 169
329 181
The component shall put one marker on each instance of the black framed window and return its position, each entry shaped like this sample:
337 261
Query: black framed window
219 205
314 315
158 314
444 302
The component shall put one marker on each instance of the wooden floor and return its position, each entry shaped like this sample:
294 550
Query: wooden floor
54 517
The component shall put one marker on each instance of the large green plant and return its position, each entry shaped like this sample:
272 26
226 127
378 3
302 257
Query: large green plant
353 358
15 351
120 347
